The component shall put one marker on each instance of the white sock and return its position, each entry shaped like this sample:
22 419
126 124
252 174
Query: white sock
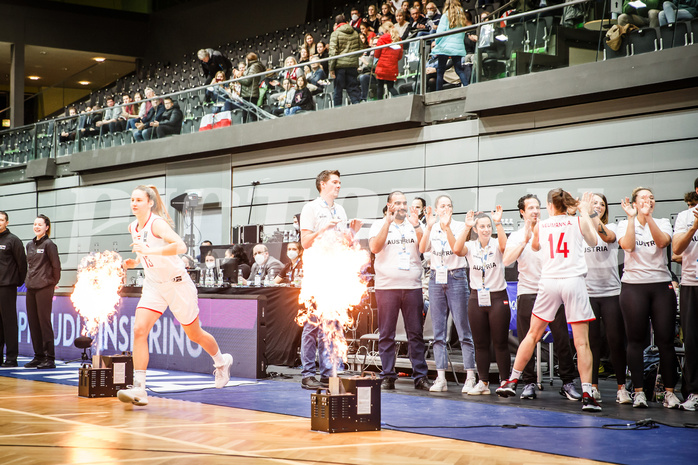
471 374
586 387
139 378
441 374
515 375
218 359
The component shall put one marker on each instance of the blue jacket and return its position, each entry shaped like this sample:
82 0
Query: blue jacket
453 45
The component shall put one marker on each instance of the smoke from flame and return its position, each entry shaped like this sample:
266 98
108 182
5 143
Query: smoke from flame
96 294
332 284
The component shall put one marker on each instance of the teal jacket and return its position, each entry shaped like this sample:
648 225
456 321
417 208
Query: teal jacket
453 45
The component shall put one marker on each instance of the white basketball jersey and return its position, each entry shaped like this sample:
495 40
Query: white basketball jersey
158 268
562 247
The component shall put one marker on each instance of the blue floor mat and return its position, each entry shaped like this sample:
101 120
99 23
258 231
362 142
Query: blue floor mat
574 435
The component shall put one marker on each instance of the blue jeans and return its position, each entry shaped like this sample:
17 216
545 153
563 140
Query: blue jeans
312 341
457 66
346 78
292 110
390 302
452 296
671 14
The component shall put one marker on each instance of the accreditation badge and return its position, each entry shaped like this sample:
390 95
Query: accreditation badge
483 298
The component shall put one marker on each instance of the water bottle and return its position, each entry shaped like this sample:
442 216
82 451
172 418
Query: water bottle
209 277
220 279
202 277
240 278
258 279
298 278
139 279
266 280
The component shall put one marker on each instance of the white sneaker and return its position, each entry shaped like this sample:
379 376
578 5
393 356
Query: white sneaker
469 385
222 373
439 385
670 400
691 403
479 389
596 394
640 400
623 396
135 395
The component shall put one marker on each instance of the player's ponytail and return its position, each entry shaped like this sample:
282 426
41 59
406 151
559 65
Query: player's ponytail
159 207
562 201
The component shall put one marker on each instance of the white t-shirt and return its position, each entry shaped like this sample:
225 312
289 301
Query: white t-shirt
441 253
602 261
494 268
689 264
402 239
316 214
562 244
647 263
158 268
529 264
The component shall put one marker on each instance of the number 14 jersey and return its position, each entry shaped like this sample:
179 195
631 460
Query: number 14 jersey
562 245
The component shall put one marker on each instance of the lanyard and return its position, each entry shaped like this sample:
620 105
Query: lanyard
483 256
332 209
444 243
402 234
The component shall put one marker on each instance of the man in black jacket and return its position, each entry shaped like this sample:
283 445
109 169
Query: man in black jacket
170 122
213 61
13 270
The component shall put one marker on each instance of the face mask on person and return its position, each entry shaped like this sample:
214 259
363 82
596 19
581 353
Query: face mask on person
354 17
430 14
259 259
292 254
210 265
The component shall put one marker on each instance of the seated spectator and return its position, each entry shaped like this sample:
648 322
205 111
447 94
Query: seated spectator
291 74
372 18
236 87
402 26
70 126
640 17
136 118
264 264
387 68
322 53
386 12
405 8
156 110
317 77
208 268
220 94
309 44
433 17
169 122
302 98
418 4
293 270
303 56
284 99
110 115
365 30
91 128
239 258
213 61
356 19
418 23
678 10
124 114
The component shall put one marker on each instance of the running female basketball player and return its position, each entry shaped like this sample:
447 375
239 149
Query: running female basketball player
167 284
562 282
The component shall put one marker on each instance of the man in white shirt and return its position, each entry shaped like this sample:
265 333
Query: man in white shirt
319 217
394 240
529 266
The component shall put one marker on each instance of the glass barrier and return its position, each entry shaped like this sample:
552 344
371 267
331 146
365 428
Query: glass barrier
502 45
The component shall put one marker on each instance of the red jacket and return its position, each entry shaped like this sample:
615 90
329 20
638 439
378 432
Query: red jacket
387 66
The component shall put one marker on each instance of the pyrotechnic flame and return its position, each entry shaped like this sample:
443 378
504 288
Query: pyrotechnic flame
96 294
332 284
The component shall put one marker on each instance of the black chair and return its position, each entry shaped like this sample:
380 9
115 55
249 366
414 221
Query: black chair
622 51
643 41
674 35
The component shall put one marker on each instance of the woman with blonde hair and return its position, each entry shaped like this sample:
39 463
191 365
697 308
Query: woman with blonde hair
387 66
167 284
452 46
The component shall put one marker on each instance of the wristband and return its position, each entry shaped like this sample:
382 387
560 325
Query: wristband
497 223
594 215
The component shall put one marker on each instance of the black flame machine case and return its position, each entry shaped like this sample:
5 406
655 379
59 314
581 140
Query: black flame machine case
108 374
358 408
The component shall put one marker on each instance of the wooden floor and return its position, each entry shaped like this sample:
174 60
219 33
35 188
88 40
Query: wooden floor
45 423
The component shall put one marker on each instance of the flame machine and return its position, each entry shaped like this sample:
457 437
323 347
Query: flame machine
350 404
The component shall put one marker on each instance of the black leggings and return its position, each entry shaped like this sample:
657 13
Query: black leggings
491 324
640 304
39 302
391 88
608 310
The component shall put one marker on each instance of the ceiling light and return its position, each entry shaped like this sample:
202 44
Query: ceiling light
99 59
84 83
34 78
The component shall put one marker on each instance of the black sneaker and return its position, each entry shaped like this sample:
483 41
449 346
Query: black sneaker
312 383
507 389
422 384
34 363
589 404
9 363
388 384
47 364
325 380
